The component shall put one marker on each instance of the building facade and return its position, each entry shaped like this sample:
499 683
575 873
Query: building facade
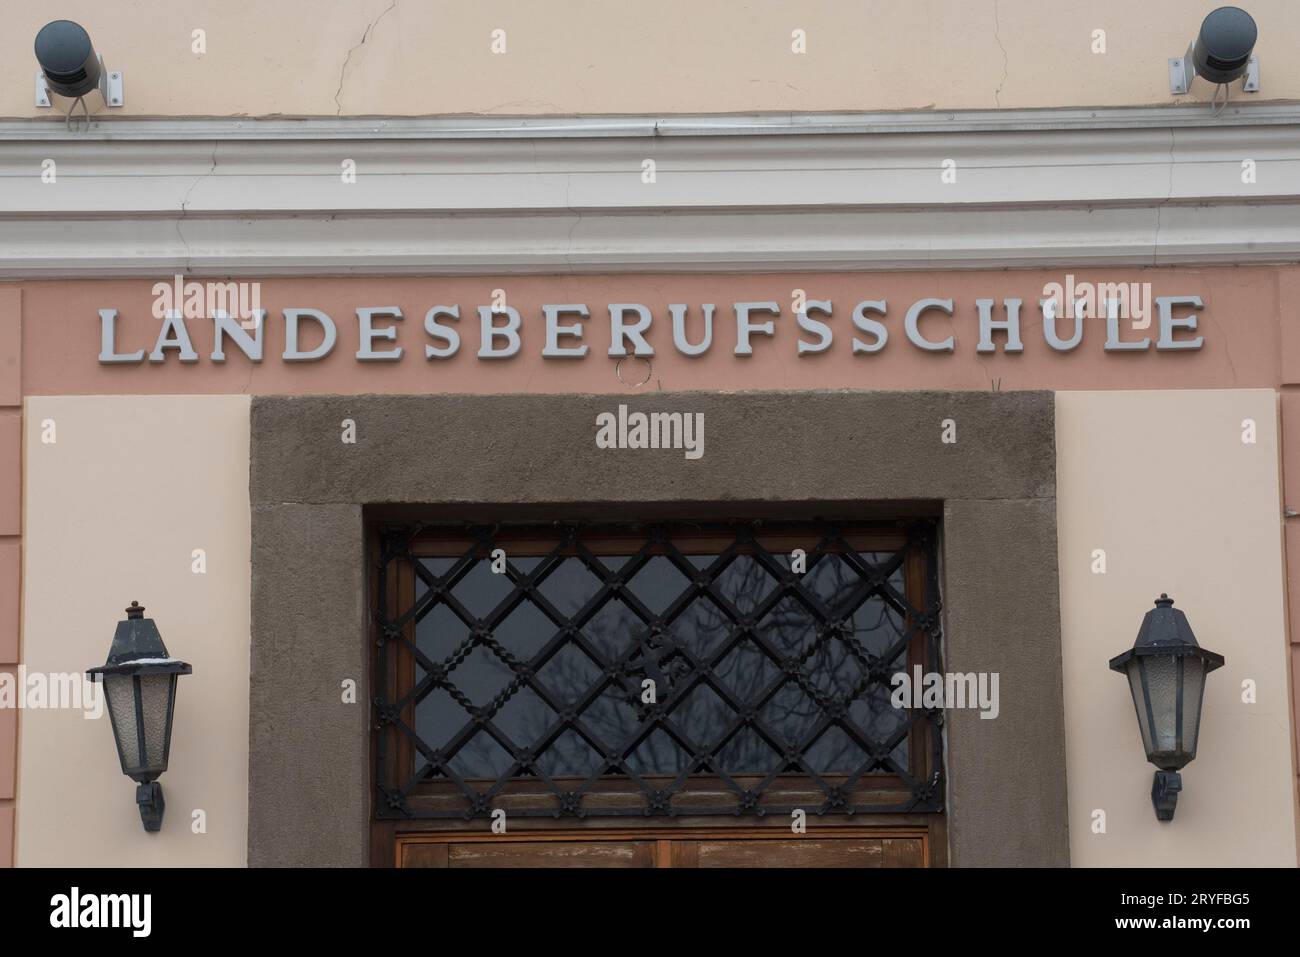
439 378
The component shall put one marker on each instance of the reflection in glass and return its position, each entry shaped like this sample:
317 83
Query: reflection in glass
801 672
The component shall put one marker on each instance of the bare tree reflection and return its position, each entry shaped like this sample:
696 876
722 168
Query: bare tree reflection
830 668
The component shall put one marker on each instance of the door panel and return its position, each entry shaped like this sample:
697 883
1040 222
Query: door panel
706 850
528 854
808 853
552 854
422 854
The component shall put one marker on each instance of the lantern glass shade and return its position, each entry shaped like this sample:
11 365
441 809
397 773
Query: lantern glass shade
1144 717
141 707
1167 694
1193 697
1166 671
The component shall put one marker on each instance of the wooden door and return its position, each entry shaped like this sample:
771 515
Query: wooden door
697 848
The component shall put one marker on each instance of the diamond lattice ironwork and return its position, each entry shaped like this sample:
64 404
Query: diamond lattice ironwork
656 676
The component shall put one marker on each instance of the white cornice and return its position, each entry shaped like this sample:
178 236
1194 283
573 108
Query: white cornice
673 242
490 195
1184 116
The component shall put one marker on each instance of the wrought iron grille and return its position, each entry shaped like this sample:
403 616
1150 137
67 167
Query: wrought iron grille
653 670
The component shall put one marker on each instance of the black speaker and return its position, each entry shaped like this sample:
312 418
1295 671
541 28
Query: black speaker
1223 46
67 57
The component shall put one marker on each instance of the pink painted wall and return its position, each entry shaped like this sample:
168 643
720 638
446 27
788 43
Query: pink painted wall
1242 322
11 402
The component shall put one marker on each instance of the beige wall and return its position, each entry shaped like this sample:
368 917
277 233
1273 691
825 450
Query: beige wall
306 57
114 509
1164 484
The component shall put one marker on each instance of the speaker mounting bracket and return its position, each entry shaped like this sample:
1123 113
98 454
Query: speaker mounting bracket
110 87
1182 71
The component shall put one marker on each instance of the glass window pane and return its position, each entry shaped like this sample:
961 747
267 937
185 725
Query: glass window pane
645 658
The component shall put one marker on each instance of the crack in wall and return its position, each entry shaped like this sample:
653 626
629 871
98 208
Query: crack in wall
185 207
997 35
1169 195
370 28
568 260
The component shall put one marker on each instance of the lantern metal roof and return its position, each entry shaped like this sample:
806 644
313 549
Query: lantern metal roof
1166 631
138 649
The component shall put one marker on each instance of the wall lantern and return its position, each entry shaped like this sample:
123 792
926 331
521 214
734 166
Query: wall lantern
140 683
1166 671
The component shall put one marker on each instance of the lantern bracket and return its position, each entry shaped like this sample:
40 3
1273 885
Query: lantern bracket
149 798
1164 793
